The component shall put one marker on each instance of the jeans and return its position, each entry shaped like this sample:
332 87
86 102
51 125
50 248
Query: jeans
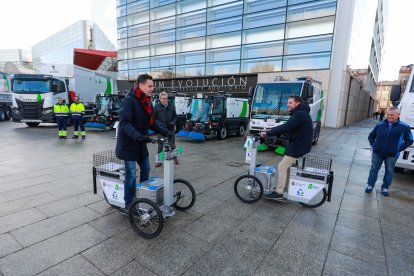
376 164
131 175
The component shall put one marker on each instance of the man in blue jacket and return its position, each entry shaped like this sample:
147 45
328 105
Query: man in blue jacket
299 128
136 117
387 140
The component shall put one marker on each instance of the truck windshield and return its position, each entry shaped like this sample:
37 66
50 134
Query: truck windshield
31 86
200 110
270 99
103 105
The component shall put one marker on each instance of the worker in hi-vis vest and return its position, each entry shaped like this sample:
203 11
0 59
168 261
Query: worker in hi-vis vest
77 110
61 111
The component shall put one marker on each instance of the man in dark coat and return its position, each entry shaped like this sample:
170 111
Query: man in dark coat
166 116
299 128
135 119
387 140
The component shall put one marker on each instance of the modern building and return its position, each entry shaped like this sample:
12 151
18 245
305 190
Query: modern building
289 38
59 48
16 61
104 15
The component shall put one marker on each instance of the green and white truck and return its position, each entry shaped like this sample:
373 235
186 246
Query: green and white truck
5 97
269 106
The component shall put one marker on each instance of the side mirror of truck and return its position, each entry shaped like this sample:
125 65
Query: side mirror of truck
395 94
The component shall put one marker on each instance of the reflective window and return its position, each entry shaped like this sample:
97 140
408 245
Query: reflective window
122 33
294 2
121 11
121 22
122 44
133 74
311 10
191 31
120 2
163 24
225 11
232 53
163 72
263 34
262 50
122 54
221 68
190 70
223 40
310 27
162 37
138 29
122 75
138 41
262 5
191 57
138 52
137 18
157 3
138 6
261 65
308 45
158 61
191 18
305 62
190 5
162 12
218 2
139 63
162 49
265 18
123 65
192 44
224 26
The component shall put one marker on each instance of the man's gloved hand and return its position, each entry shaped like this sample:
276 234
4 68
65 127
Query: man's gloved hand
144 139
170 134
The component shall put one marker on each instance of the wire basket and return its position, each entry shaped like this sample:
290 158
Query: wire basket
317 164
107 160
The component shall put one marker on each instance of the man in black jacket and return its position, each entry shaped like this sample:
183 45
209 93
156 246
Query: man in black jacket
135 118
166 116
299 128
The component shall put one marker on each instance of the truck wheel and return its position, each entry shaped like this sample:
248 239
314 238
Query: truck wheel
32 124
241 130
7 113
316 135
222 134
2 114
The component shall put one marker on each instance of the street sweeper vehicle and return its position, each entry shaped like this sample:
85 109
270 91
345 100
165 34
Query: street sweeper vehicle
216 116
5 97
269 106
106 110
156 198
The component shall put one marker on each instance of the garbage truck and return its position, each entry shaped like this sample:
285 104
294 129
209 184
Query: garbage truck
269 106
405 104
5 97
34 95
216 116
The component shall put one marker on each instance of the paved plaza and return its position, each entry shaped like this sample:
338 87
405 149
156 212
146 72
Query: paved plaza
51 223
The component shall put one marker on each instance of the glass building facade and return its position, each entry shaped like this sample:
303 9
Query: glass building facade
169 38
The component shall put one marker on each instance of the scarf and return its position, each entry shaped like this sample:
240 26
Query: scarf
146 103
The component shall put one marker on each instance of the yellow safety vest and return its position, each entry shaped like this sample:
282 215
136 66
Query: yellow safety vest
77 109
61 110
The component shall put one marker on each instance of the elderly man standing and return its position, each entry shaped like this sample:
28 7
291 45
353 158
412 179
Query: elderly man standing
166 116
387 140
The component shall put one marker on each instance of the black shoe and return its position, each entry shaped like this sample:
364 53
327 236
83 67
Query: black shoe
275 196
83 137
75 137
60 137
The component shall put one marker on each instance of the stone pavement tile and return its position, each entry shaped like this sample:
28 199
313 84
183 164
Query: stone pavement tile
360 245
400 262
17 220
8 245
212 227
102 207
362 205
230 257
71 190
67 204
2 199
175 255
333 206
204 204
402 238
132 269
221 192
237 209
285 261
43 255
24 182
53 226
119 250
28 191
359 222
258 232
17 205
111 224
340 264
191 272
74 266
276 211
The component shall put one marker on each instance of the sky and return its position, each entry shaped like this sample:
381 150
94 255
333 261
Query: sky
24 23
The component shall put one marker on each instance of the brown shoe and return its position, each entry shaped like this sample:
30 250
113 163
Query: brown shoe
157 165
176 161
